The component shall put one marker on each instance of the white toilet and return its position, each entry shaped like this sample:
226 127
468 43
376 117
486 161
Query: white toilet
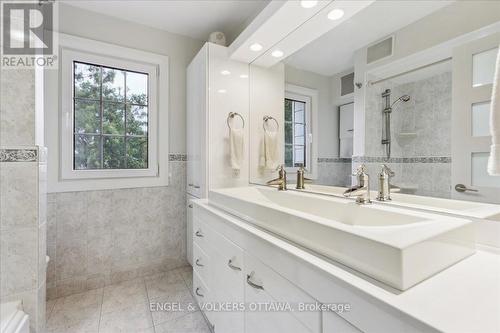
13 319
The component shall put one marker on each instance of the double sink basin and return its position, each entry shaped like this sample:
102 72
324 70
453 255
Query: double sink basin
396 246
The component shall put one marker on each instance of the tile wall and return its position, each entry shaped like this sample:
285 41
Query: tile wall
421 135
23 173
96 238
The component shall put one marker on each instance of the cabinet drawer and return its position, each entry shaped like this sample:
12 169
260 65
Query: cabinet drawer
201 234
333 323
202 264
280 290
262 320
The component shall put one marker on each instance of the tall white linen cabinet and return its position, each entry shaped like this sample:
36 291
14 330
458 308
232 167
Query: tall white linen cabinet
216 87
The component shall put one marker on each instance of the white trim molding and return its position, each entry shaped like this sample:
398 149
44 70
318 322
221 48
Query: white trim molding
294 91
61 173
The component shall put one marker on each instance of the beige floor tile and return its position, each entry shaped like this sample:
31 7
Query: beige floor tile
124 295
134 319
177 303
187 276
49 306
190 323
163 284
79 327
82 310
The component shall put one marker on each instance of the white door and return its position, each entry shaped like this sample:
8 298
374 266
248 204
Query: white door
473 72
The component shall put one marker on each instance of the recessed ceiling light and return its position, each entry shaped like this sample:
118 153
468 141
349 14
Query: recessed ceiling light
222 91
335 14
225 72
244 76
256 47
277 53
308 3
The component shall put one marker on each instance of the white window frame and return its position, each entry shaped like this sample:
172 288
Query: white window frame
156 66
310 98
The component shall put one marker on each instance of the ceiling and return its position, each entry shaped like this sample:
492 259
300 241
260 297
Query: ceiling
333 52
193 18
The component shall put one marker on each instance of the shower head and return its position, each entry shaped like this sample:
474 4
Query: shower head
404 98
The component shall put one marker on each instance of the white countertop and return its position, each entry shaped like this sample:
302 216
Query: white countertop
463 298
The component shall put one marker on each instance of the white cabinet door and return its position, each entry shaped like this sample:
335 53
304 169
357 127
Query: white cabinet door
196 104
346 123
473 72
189 229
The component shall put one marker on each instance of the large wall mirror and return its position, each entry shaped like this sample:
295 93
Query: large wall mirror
405 84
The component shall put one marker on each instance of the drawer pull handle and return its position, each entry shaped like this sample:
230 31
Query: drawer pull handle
198 263
190 205
230 264
198 292
199 233
190 185
197 186
253 284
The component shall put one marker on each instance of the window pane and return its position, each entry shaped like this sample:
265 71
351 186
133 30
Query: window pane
288 110
113 118
480 176
299 155
87 152
113 84
483 67
113 152
481 119
298 106
87 81
299 117
298 130
137 153
288 133
87 116
289 156
137 120
137 88
299 140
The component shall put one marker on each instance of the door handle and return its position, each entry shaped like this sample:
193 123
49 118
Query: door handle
230 264
462 188
253 284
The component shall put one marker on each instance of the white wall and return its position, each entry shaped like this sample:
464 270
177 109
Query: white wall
179 49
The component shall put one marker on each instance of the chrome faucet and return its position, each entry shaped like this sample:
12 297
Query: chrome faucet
301 180
362 188
384 183
281 180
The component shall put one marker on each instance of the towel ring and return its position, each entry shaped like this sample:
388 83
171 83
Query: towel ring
231 115
266 118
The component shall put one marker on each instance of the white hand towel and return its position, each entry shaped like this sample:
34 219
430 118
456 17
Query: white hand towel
271 151
236 142
494 161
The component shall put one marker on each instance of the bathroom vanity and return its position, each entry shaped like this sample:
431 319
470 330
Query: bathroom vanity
242 259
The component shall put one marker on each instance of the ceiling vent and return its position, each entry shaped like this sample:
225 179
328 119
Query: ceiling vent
380 50
347 84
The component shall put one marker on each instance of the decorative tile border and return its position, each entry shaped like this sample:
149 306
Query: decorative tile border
334 160
379 159
19 155
177 157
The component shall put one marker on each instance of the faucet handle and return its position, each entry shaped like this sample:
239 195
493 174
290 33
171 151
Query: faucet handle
360 170
387 170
